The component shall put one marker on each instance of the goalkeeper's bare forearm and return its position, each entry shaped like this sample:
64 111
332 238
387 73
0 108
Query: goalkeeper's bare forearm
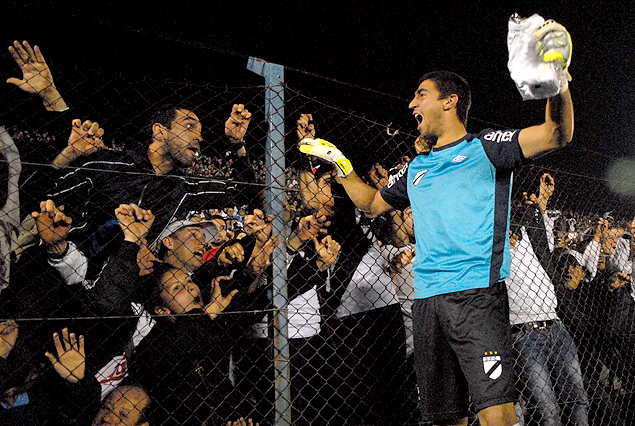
365 197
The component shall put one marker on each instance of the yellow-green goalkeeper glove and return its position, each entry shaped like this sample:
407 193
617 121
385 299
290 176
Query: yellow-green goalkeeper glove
328 152
554 45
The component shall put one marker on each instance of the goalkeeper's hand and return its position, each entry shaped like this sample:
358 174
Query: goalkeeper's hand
554 44
329 152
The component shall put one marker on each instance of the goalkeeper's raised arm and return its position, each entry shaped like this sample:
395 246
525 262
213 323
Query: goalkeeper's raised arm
553 45
366 198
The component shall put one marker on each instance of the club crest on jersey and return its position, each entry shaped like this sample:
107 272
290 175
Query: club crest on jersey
499 136
492 366
458 158
418 177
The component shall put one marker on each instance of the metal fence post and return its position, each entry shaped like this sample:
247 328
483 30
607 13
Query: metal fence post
275 180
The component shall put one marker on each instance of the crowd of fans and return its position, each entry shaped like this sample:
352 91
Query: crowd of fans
137 288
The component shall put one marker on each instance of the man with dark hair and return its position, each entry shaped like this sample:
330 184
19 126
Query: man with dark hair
448 83
165 114
152 181
459 193
176 144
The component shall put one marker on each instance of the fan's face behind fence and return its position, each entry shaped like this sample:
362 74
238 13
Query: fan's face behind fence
576 275
316 194
183 139
179 293
123 407
188 247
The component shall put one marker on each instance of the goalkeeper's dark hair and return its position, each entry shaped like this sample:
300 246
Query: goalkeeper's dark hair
449 83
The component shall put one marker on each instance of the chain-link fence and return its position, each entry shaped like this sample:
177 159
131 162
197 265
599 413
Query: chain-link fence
185 264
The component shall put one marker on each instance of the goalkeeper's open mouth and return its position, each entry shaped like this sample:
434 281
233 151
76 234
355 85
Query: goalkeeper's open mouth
419 119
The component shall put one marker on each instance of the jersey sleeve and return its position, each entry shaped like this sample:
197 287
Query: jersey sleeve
396 192
502 148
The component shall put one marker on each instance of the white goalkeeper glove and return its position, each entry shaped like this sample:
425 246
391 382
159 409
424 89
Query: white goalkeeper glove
329 152
554 45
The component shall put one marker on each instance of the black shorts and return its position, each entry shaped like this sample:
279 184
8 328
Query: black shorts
463 349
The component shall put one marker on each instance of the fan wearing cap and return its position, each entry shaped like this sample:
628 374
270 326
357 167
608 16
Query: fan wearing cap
184 361
183 246
183 243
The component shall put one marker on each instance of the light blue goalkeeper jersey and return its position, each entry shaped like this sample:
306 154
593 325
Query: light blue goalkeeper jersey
460 197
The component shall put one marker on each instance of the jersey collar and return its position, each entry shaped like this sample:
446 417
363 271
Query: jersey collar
450 145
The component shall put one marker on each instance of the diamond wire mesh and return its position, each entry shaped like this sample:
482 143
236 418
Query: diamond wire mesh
160 336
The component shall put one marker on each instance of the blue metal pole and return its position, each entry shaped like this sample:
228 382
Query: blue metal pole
276 203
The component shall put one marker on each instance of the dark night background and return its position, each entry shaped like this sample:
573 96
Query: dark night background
363 57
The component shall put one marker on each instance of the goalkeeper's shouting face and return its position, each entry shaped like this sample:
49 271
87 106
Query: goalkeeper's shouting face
428 109
440 105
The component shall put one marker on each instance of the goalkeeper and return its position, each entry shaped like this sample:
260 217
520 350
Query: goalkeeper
460 194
